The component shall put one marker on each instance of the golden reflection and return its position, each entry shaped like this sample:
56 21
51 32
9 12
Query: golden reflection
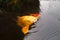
26 21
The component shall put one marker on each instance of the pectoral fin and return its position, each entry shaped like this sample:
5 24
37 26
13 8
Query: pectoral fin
25 29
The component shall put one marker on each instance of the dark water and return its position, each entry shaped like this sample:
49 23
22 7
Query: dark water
48 25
